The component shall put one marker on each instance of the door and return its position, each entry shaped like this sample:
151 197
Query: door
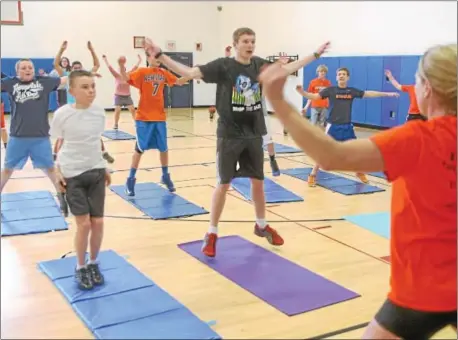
179 96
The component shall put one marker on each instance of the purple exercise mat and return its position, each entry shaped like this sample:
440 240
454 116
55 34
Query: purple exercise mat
281 283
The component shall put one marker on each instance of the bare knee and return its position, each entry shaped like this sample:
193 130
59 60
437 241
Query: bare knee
375 331
222 188
97 223
83 223
257 185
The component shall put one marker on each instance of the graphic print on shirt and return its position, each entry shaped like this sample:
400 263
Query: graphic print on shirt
246 97
156 80
25 92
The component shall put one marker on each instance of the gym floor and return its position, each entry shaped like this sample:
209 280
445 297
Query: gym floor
32 307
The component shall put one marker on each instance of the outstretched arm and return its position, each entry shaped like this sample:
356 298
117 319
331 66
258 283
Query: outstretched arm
393 80
308 95
95 59
298 64
58 58
110 68
137 65
377 94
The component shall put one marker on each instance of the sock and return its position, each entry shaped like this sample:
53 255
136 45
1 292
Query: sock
261 223
92 261
272 158
213 230
132 172
78 267
165 170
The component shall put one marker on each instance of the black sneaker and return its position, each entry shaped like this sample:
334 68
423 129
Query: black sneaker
95 273
83 278
108 157
275 168
63 204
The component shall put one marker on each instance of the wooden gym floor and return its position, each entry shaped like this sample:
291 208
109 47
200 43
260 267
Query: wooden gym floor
32 307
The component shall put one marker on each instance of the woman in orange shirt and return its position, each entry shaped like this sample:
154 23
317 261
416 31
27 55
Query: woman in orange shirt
423 295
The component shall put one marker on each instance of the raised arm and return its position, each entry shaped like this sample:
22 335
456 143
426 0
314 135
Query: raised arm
110 68
308 95
58 58
95 59
298 64
137 65
393 80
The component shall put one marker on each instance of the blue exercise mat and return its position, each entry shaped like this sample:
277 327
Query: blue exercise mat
128 305
333 182
274 192
379 174
117 135
30 212
280 148
378 223
158 203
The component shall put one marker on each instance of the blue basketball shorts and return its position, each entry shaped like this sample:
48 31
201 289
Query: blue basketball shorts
19 149
150 136
341 132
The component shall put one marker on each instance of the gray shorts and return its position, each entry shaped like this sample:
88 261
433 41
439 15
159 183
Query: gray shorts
86 193
318 115
123 100
239 158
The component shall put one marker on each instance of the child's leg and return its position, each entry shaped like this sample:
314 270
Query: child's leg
132 111
130 183
78 201
162 145
117 115
97 208
17 153
4 137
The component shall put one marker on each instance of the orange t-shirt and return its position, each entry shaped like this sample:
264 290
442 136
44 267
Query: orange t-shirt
2 121
420 160
410 89
151 81
315 86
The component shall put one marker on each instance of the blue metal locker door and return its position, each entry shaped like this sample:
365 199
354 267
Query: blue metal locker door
180 96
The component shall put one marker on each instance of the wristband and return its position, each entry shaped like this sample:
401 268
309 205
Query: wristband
158 54
317 55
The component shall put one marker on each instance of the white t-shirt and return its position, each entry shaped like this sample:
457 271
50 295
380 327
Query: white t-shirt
81 131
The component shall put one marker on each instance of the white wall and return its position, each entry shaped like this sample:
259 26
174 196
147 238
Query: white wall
354 28
111 27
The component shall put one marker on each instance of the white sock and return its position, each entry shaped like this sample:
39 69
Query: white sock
261 223
92 261
213 230
78 267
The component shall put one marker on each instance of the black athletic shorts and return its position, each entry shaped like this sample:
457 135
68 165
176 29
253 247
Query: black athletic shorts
411 324
86 193
415 117
61 97
239 158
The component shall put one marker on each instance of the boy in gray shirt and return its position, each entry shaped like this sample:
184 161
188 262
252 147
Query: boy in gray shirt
82 173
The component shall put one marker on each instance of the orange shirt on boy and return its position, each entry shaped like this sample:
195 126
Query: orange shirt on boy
2 121
410 89
151 81
315 86
420 160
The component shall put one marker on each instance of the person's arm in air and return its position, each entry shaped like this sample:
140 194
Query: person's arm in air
308 95
377 94
298 64
58 58
95 59
380 153
110 68
135 78
393 80
136 65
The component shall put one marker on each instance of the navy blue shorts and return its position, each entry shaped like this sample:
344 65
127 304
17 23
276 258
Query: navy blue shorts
19 149
341 132
151 135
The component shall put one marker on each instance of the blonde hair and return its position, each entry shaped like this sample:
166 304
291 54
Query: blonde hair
241 31
438 67
322 68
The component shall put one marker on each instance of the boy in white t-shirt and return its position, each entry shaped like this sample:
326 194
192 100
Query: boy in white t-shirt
82 172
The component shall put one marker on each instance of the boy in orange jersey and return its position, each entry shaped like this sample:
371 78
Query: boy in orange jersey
414 111
320 106
150 117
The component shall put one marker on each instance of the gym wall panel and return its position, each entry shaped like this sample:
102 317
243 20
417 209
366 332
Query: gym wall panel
375 75
390 106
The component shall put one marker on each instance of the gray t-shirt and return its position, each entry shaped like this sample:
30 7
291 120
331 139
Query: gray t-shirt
29 105
81 131
238 97
341 103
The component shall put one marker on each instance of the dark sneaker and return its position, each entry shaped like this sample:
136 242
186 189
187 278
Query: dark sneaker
108 157
130 186
83 278
63 204
167 181
275 168
96 275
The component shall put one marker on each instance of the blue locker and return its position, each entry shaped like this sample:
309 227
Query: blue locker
390 106
358 79
309 73
409 65
375 76
179 96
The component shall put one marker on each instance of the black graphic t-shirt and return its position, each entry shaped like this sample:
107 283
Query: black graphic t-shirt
238 97
29 105
341 103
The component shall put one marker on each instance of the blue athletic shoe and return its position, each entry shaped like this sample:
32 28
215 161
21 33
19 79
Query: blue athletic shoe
167 181
130 186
